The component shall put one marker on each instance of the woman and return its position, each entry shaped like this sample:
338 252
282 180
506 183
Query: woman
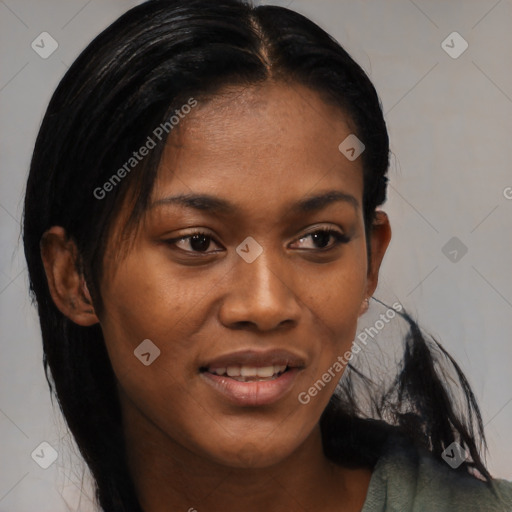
202 234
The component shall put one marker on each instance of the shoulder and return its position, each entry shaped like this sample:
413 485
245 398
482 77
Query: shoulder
410 479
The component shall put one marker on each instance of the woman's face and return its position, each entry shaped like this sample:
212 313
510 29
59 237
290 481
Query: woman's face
259 292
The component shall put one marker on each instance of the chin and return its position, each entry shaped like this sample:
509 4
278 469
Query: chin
252 455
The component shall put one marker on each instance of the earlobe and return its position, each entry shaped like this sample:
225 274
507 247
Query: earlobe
67 285
364 306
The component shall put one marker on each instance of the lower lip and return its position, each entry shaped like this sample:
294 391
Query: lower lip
252 393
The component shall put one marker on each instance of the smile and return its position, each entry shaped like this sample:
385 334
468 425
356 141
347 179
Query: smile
253 378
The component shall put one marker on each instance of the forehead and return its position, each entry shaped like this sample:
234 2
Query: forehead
264 150
275 141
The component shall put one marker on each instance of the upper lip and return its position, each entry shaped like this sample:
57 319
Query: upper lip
256 358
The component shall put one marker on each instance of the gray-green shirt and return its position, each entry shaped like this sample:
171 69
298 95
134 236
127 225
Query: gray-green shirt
407 479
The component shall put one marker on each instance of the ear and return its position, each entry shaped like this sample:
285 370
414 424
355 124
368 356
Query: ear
67 285
379 239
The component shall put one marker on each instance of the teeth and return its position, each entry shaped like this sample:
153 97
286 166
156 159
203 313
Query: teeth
233 371
248 371
265 372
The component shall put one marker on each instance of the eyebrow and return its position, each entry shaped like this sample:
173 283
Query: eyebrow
218 205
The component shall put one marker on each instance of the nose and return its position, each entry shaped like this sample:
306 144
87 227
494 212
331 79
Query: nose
261 295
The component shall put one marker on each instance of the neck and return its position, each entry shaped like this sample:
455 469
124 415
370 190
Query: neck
168 476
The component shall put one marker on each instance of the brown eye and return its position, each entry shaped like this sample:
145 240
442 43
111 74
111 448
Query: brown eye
321 237
198 242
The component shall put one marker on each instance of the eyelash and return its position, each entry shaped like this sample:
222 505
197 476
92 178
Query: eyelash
339 238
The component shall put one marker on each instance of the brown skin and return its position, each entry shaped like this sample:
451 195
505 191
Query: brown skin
261 148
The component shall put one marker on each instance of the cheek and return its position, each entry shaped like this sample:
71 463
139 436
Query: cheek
148 322
145 329
147 299
335 306
336 294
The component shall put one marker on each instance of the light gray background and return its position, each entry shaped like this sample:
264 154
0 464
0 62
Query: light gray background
450 125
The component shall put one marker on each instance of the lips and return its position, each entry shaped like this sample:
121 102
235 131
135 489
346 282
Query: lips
252 378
